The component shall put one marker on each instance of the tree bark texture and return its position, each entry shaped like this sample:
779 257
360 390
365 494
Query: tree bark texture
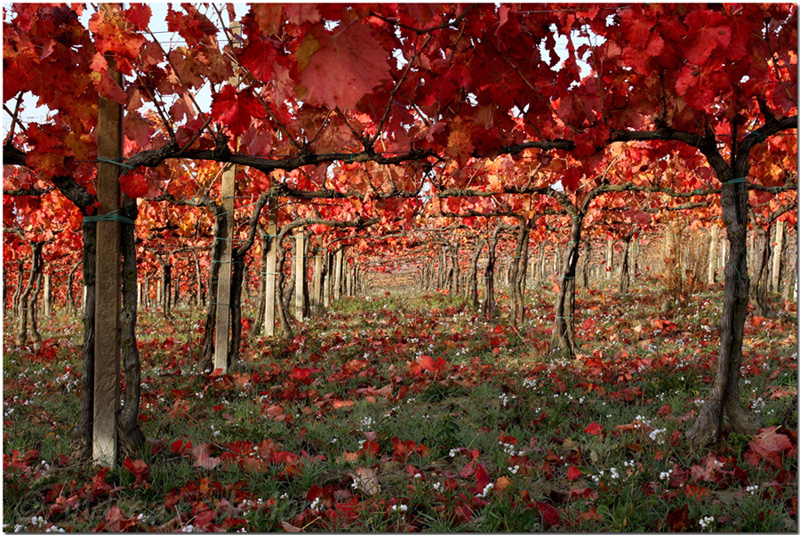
206 355
258 321
18 290
565 303
489 308
72 306
130 435
586 261
22 314
455 270
81 437
723 399
166 285
761 255
33 312
282 302
517 273
198 278
472 277
624 273
237 280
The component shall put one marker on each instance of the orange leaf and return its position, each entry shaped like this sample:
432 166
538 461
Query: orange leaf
696 492
502 483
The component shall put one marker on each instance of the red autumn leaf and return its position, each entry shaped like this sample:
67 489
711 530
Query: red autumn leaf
190 24
467 470
314 492
707 31
116 521
179 448
459 142
259 57
506 439
302 375
138 468
696 492
481 477
235 109
677 518
370 448
769 445
592 514
99 485
573 473
108 88
339 403
203 458
204 518
339 70
427 362
352 366
138 15
549 513
133 184
404 448
594 428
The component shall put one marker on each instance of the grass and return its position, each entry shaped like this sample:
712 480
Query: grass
342 429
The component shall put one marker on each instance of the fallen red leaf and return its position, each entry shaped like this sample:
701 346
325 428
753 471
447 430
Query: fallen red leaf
203 458
116 521
769 445
573 473
677 518
549 513
594 428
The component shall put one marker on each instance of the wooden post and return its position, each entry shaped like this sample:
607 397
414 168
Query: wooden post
316 295
272 260
108 283
776 256
609 257
724 255
225 269
221 339
348 281
300 273
712 254
48 303
337 280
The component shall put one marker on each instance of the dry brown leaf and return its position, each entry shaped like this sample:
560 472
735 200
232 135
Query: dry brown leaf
367 481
